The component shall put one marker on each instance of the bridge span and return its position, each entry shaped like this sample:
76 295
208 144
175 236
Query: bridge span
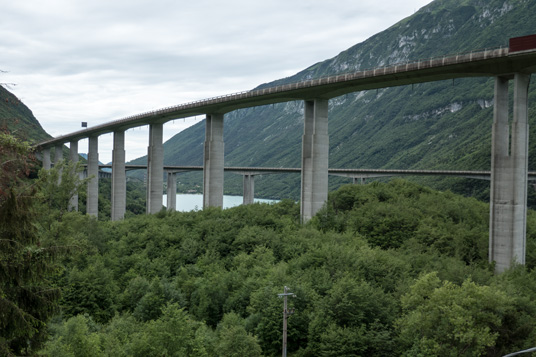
249 173
509 168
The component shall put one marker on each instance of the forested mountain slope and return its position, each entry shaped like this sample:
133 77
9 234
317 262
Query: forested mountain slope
18 119
441 125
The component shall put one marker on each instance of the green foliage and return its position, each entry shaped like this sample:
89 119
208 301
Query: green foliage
135 290
75 338
135 198
156 296
57 186
399 213
175 334
90 291
206 282
444 319
27 299
358 317
234 341
18 119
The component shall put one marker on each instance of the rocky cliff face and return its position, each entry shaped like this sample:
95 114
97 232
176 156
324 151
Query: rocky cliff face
440 125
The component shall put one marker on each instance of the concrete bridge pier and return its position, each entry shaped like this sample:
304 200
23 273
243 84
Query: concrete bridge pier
249 189
315 151
73 157
47 164
58 153
119 179
509 174
213 162
358 180
171 191
58 157
155 168
92 203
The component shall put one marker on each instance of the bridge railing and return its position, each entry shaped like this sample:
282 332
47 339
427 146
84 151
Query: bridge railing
345 76
474 55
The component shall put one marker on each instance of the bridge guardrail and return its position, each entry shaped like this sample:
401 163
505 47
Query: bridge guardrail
419 64
340 77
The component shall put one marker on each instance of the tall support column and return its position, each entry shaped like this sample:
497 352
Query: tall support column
58 153
119 178
213 162
358 180
92 203
249 189
315 152
307 164
47 164
520 153
58 157
155 168
509 175
171 191
73 157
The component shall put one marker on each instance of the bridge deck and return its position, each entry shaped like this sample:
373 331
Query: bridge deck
478 174
475 64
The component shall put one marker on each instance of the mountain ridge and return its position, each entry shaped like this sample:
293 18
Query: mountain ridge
17 119
439 125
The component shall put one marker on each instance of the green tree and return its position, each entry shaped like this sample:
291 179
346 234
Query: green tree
76 338
92 290
234 341
355 318
174 334
27 299
57 186
136 288
444 319
157 295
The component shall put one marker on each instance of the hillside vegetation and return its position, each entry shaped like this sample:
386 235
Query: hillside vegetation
384 269
440 125
392 269
18 119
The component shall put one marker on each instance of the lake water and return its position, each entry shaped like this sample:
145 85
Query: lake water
186 202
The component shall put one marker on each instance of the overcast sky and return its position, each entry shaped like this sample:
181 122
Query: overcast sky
101 60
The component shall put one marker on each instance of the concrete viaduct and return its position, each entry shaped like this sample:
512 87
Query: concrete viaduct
249 173
509 167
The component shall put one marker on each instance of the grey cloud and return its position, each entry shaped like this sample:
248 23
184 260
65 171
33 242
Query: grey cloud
100 60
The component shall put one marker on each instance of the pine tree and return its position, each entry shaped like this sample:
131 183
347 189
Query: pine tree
27 298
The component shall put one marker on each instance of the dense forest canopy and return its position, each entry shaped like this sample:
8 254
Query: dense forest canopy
384 269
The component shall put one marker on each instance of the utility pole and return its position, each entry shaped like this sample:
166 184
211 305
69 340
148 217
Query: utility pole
286 313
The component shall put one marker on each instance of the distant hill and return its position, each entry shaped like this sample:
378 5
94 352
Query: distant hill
440 125
18 119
